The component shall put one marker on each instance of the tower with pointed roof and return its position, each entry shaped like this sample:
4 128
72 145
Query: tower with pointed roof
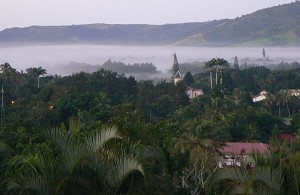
175 69
177 77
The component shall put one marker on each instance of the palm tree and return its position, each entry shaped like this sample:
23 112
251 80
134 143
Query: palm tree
293 174
292 167
210 64
239 180
224 64
287 99
280 101
155 170
214 63
268 102
35 73
6 71
84 165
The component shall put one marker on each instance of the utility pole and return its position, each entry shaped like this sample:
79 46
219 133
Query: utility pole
38 81
2 109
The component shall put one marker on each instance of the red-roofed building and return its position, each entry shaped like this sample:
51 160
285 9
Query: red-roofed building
287 136
243 147
236 153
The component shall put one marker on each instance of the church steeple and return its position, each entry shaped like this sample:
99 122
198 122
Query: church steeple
177 77
175 67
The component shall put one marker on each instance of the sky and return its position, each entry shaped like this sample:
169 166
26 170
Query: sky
23 13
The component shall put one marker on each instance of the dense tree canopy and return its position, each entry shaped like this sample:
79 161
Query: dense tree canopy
52 138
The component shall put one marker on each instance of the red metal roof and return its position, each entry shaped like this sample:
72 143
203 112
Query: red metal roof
243 147
287 136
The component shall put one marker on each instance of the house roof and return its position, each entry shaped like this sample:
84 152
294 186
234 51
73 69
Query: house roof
287 136
193 89
177 75
243 147
263 92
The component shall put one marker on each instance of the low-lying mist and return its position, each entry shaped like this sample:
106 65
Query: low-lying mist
55 57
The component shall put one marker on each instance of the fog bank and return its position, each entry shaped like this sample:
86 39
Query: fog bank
25 56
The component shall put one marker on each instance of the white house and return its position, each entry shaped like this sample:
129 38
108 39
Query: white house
193 92
262 96
292 92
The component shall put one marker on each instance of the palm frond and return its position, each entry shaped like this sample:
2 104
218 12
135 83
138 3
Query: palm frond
58 137
13 185
89 165
72 157
231 173
32 183
238 189
268 178
148 153
122 168
237 175
35 183
127 165
96 142
74 127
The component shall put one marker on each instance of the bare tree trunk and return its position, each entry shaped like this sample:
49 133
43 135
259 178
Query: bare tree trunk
288 109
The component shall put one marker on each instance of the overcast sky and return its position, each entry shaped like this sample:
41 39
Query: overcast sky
22 13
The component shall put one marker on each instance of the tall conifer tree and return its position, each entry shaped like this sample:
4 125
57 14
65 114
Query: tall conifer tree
236 62
264 53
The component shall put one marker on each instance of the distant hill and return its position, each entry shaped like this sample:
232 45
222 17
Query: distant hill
276 26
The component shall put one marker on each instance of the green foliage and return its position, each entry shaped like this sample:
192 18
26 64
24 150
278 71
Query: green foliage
188 78
173 137
35 72
296 122
260 180
84 165
135 68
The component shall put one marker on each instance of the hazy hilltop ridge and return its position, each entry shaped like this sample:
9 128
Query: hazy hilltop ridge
138 34
274 26
278 25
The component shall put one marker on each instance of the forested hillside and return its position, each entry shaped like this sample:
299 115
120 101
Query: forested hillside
102 132
105 33
273 26
276 26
